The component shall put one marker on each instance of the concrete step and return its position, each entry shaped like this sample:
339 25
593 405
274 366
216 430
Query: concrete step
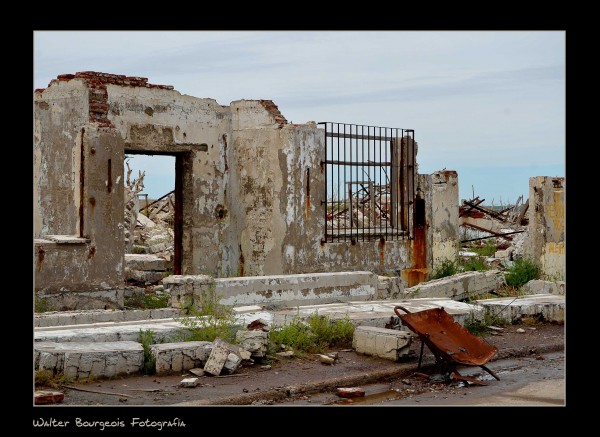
82 360
145 262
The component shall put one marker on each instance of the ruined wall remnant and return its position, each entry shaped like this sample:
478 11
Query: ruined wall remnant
444 197
251 188
545 243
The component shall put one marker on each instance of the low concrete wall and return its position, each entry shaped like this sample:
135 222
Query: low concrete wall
82 360
64 318
458 287
281 290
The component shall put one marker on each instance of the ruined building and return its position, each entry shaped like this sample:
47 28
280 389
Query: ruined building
254 194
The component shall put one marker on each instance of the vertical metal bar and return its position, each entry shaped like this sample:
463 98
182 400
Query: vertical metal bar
338 182
325 165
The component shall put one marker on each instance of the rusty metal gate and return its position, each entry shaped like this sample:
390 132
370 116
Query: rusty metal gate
369 182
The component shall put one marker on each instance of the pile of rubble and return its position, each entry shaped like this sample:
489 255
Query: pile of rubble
368 206
149 237
215 358
507 226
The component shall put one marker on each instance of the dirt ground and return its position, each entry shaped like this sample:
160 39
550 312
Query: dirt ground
286 374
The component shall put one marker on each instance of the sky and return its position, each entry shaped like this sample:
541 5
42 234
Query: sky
488 104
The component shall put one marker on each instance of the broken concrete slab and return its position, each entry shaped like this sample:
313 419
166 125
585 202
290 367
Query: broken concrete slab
197 371
458 287
145 222
381 342
176 357
82 360
377 312
145 262
232 363
256 342
510 309
143 276
539 286
218 357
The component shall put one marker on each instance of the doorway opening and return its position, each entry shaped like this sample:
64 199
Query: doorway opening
153 213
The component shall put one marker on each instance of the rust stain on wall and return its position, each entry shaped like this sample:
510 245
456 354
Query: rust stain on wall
91 252
41 256
241 269
381 246
418 273
308 193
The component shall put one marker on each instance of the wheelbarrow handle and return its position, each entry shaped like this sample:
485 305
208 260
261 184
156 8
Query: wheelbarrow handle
397 307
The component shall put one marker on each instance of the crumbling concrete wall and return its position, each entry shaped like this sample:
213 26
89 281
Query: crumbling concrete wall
546 237
78 203
444 216
252 185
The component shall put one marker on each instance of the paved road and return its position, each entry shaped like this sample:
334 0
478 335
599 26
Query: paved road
534 380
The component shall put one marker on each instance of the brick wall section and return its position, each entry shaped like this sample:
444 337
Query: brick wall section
98 106
274 111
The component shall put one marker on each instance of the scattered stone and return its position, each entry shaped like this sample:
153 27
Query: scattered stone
43 397
333 355
287 354
245 390
350 392
197 372
232 363
406 381
189 382
266 367
122 399
218 357
532 328
495 328
539 357
262 402
255 342
326 359
291 390
521 331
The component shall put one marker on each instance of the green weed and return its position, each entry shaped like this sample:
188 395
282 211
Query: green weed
447 267
487 249
473 264
148 301
522 271
43 305
315 335
207 319
146 337
46 378
477 326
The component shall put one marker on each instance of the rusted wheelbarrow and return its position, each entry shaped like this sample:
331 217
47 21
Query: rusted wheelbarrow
450 343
